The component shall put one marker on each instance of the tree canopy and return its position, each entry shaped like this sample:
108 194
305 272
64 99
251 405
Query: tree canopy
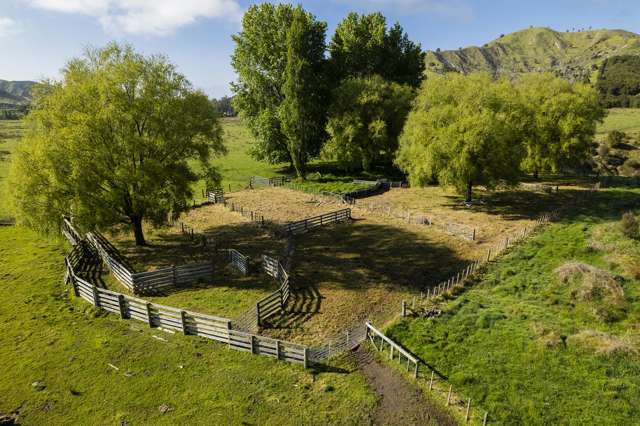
112 142
618 82
463 131
260 60
560 124
365 120
302 113
363 45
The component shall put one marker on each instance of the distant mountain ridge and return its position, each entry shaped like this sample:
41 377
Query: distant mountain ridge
573 55
13 93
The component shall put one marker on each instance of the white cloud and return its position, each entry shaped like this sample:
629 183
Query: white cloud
158 17
457 9
9 27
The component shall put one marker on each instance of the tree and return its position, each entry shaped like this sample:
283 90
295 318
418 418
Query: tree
224 107
560 124
302 113
463 131
365 120
363 45
618 82
260 60
112 142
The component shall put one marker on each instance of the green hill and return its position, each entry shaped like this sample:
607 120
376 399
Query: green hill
573 55
14 93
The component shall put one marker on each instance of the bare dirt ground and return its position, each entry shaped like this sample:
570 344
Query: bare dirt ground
400 403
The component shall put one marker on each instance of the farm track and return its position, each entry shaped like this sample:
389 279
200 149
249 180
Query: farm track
400 403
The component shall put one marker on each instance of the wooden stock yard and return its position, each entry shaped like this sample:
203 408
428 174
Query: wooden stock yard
276 301
238 261
186 322
302 226
147 282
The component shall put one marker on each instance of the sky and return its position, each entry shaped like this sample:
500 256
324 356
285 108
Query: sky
37 37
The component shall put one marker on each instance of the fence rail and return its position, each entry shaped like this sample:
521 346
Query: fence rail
304 225
276 301
215 195
147 282
187 322
273 181
342 342
238 261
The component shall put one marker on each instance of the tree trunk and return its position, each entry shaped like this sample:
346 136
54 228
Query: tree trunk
469 191
536 174
136 223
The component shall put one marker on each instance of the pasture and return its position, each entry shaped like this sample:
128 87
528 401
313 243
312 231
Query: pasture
518 315
533 348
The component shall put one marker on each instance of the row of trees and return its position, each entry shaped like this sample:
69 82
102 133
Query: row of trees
294 97
474 130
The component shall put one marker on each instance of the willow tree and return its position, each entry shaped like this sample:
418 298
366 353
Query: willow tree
560 120
113 143
365 120
463 131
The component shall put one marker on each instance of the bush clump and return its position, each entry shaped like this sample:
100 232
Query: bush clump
629 225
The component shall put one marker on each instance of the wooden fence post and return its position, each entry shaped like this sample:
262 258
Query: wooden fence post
253 344
415 372
75 285
449 395
431 381
123 313
484 421
466 415
95 296
306 357
149 320
184 326
404 309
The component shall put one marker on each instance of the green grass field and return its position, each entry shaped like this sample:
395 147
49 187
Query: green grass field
622 119
534 349
10 132
55 353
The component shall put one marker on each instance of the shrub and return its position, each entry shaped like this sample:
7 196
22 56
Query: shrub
629 225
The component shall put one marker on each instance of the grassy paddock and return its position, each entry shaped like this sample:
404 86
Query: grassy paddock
622 119
55 353
10 133
533 349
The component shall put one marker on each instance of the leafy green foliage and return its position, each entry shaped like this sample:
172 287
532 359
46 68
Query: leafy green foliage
365 120
463 131
111 143
259 59
302 113
561 120
224 107
619 82
363 45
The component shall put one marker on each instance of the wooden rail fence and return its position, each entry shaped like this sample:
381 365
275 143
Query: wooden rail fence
215 195
340 343
276 301
238 261
187 322
436 384
304 225
147 282
255 181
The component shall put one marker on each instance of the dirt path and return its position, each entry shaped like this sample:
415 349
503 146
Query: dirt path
400 403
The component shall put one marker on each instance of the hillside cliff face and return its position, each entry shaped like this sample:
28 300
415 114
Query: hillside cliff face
573 55
15 92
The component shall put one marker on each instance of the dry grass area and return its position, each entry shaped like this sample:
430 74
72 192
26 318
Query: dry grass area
343 273
502 213
282 205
